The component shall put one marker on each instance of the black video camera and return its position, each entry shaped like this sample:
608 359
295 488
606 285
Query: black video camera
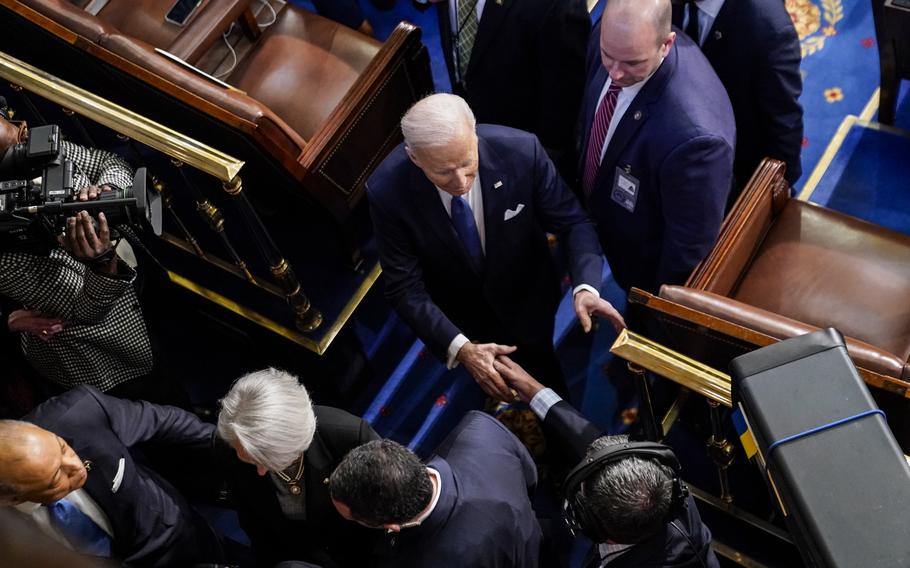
32 213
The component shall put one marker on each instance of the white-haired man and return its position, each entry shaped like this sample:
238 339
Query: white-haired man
286 449
461 213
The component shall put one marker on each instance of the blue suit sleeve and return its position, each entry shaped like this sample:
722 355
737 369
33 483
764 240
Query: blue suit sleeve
572 431
562 214
780 84
404 287
135 422
695 180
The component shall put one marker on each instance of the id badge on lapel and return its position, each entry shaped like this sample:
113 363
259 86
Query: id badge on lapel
625 189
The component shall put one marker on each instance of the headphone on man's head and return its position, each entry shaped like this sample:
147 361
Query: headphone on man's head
581 518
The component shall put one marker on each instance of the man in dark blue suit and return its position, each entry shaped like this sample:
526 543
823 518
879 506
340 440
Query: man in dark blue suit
468 506
657 164
461 214
754 48
69 467
640 537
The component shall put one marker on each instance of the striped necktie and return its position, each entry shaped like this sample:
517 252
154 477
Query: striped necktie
465 35
598 136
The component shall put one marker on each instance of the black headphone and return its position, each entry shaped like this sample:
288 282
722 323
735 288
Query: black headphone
581 518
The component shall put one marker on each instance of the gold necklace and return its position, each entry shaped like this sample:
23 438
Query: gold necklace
293 482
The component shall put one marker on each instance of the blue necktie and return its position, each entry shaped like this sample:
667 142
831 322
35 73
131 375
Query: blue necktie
463 220
79 529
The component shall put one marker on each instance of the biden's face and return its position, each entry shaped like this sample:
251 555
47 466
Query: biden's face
452 167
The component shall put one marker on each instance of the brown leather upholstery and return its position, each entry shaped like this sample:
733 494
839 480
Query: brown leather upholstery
828 269
71 17
780 327
303 66
144 20
783 267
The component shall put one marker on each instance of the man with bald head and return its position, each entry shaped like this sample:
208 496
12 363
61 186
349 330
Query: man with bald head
656 139
69 466
461 213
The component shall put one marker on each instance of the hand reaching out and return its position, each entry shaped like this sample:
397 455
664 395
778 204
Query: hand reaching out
478 358
588 305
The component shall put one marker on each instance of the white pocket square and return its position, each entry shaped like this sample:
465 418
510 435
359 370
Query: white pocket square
118 479
513 212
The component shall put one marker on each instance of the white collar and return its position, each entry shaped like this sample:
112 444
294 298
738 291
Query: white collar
710 7
429 510
27 507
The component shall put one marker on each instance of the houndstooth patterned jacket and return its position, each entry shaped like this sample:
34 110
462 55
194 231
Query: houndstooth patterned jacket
105 341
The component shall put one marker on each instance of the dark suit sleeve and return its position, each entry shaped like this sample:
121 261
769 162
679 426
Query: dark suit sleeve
779 83
572 431
561 45
562 214
695 180
135 422
404 287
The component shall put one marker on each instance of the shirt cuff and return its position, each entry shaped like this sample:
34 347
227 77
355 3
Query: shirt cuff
543 401
453 350
587 287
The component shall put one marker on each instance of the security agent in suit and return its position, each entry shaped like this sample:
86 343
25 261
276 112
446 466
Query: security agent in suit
467 506
519 63
657 166
461 214
626 497
278 450
69 466
754 48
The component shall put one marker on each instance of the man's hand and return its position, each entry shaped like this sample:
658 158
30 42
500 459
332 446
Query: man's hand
517 378
479 358
80 240
31 321
588 305
91 192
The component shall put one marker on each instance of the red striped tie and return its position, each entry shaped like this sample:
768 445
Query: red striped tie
598 136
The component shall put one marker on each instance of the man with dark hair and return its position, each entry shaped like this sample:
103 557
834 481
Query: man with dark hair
629 499
69 466
468 506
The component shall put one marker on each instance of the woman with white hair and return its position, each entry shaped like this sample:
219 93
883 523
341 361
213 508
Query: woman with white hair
284 450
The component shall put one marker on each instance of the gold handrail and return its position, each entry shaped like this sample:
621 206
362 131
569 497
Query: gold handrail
706 381
119 119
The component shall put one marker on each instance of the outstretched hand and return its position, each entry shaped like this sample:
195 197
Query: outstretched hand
478 358
524 384
588 305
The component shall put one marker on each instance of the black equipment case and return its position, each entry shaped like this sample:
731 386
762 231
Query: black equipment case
830 460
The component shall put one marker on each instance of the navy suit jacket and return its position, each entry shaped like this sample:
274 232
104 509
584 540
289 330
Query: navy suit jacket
153 525
430 281
755 51
676 138
665 549
526 69
483 517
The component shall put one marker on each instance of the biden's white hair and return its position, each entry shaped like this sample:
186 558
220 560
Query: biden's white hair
269 414
436 120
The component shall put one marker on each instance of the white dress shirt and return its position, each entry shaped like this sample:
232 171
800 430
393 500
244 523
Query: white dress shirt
707 13
81 500
623 100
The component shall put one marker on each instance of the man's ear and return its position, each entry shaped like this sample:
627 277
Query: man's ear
412 156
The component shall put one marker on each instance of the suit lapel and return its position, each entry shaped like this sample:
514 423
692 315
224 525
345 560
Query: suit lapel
99 485
495 198
433 212
636 115
317 469
714 40
494 14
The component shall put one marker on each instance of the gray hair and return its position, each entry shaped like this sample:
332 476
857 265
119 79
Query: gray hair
630 498
269 414
436 120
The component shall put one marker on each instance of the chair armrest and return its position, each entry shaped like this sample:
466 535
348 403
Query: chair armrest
780 327
743 230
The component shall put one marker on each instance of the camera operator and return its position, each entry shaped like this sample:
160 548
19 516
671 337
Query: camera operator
627 498
81 322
